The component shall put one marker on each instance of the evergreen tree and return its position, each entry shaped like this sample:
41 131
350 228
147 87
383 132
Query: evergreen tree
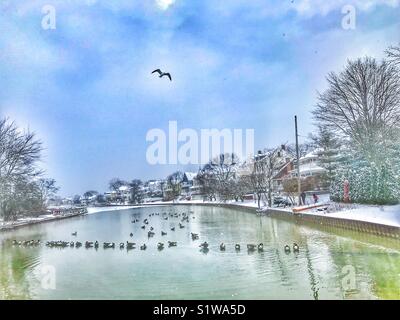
329 151
370 182
137 195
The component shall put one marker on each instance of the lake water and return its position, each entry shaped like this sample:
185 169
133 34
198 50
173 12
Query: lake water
331 264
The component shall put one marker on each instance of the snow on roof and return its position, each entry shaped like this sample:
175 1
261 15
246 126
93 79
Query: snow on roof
190 175
312 154
310 167
123 188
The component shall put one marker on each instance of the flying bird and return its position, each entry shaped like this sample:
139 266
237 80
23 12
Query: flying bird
162 74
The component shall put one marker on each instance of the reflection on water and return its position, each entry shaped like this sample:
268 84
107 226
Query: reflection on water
184 272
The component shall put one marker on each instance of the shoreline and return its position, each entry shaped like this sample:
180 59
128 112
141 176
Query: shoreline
349 219
346 219
32 221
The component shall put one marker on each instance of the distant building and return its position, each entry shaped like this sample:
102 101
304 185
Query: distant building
111 196
124 194
310 165
188 182
67 201
153 190
283 166
310 169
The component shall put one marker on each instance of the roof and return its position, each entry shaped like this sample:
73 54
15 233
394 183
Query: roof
190 175
312 154
310 167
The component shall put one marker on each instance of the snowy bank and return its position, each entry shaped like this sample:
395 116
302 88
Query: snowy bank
27 221
386 215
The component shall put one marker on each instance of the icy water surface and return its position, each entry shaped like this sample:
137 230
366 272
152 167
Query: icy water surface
323 269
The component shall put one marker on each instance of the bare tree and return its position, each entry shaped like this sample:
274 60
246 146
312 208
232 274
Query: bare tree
258 178
19 154
266 166
47 188
207 184
116 183
219 176
362 102
136 191
393 54
241 186
304 148
290 188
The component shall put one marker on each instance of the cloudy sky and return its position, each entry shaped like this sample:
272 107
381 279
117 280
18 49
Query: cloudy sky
85 87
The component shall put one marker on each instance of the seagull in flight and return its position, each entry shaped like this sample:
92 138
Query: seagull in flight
162 74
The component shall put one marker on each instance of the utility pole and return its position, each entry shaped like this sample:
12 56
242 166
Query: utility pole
298 160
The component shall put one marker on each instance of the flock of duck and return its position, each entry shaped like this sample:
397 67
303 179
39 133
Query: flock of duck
204 247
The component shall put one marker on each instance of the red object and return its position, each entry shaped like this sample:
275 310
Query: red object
346 190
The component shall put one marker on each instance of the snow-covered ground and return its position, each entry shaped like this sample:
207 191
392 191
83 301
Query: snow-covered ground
32 220
387 215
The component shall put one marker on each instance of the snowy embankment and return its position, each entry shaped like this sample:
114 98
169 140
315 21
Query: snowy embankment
386 215
27 221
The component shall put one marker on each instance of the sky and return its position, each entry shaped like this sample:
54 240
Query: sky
86 88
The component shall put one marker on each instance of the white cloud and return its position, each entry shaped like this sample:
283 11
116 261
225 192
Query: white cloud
164 4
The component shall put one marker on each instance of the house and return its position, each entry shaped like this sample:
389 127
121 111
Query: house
121 195
111 196
310 165
124 194
188 182
284 164
153 190
282 173
195 189
310 169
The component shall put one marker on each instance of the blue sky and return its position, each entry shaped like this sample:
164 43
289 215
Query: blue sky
86 87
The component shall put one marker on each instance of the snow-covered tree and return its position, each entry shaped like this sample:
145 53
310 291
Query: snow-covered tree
328 149
362 103
47 189
219 178
136 191
174 183
362 107
19 155
369 182
116 183
266 166
393 54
